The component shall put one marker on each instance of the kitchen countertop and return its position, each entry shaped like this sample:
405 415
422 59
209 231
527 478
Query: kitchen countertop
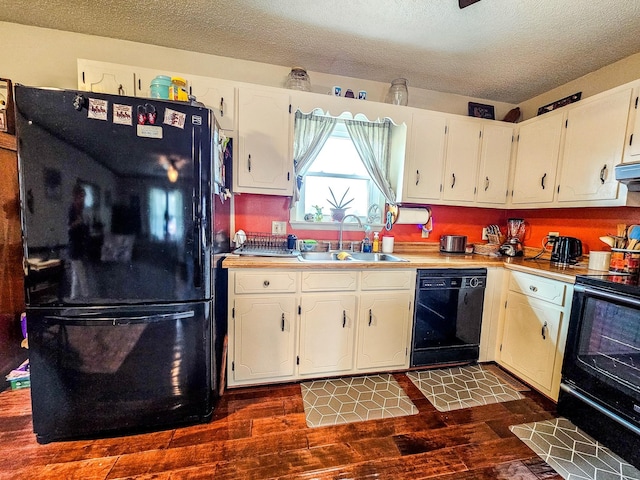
426 256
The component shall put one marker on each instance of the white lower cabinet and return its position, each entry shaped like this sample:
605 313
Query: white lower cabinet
384 322
291 325
327 325
264 337
534 332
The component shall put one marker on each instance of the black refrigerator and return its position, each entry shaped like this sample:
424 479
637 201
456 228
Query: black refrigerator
117 203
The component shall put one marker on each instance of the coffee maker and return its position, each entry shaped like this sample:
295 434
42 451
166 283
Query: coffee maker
512 247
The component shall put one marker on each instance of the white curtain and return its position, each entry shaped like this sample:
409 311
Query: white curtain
372 141
311 133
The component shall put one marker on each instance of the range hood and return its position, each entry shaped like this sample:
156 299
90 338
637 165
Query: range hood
629 174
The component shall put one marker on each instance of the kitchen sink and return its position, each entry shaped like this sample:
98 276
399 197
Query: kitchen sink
351 257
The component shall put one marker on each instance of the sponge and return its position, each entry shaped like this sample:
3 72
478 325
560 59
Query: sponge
343 256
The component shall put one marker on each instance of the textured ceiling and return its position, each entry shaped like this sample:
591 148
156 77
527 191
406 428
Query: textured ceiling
501 50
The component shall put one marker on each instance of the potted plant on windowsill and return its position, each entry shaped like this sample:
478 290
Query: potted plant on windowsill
339 207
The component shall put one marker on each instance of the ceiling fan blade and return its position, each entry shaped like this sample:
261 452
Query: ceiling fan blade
466 3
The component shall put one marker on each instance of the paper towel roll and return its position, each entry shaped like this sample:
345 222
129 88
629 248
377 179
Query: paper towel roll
414 215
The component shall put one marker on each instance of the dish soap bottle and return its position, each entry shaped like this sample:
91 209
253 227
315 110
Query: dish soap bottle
366 241
376 242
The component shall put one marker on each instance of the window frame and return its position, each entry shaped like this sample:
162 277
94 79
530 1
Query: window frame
297 213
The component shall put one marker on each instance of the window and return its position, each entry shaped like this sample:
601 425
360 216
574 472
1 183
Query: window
339 167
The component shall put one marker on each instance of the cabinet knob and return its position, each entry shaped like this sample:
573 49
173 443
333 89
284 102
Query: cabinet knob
533 288
265 283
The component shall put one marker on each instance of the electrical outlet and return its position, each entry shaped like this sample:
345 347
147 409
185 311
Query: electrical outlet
278 228
484 234
551 238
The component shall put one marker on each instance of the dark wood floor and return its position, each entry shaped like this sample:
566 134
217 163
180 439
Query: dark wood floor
260 433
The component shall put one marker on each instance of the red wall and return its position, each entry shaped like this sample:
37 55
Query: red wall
254 213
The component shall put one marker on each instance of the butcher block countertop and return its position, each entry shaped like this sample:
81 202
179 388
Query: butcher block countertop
421 255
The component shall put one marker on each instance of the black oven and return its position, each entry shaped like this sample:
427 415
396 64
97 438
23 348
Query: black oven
600 389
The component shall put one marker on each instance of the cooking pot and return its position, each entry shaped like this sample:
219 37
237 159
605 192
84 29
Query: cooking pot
566 251
453 243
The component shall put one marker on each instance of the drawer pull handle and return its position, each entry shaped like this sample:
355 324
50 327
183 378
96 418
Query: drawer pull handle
417 177
265 283
249 162
542 180
344 318
453 180
533 288
544 331
222 106
370 317
282 325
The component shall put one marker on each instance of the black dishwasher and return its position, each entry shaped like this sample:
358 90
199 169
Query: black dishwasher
448 316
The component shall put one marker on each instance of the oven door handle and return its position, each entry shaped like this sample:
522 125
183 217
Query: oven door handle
574 392
617 298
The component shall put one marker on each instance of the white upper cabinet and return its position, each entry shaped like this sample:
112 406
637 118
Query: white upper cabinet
495 158
461 164
219 96
594 143
632 143
106 78
424 163
537 159
264 164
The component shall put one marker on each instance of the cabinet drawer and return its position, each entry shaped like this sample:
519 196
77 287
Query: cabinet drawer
344 281
533 286
388 279
265 282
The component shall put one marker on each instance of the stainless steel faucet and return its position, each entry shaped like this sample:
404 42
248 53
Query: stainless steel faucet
342 224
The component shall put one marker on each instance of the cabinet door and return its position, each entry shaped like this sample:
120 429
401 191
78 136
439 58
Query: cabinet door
594 144
463 148
219 97
105 78
264 337
327 333
425 157
264 163
537 159
530 337
383 325
495 157
632 145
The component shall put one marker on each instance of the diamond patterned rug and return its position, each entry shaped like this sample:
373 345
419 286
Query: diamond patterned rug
354 399
573 453
462 387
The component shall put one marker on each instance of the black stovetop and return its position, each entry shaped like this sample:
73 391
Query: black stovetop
620 283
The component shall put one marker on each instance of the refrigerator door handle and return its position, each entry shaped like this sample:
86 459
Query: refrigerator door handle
197 203
118 320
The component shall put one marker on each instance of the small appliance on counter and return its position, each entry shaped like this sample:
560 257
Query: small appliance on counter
515 235
453 243
566 251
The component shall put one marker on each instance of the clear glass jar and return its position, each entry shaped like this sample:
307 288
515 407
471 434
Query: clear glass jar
298 80
398 93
